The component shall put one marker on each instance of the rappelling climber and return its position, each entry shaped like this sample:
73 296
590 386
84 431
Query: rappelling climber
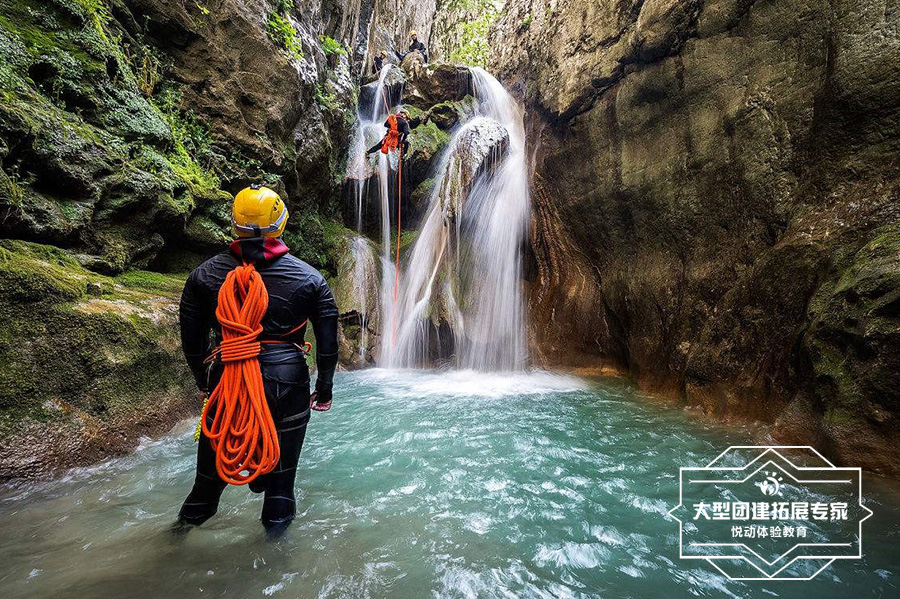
414 46
378 61
269 353
397 132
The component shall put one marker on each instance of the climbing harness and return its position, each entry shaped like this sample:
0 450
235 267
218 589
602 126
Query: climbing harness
242 432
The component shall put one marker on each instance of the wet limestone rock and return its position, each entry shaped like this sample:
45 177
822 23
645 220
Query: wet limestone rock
434 83
479 145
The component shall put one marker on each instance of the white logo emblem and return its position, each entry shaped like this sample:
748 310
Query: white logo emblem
770 513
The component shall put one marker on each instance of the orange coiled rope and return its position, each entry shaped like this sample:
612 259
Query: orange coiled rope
242 433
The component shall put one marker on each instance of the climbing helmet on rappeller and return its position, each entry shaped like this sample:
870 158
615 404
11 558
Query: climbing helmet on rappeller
258 212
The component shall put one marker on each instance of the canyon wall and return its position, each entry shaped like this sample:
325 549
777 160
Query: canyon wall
716 204
125 128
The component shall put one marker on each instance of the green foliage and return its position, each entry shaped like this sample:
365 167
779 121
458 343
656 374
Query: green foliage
331 47
283 34
327 101
192 143
473 47
97 12
526 22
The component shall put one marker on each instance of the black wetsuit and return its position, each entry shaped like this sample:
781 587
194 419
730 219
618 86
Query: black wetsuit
403 128
297 292
378 63
413 47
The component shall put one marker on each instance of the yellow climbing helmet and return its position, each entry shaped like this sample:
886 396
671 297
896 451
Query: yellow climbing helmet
258 212
412 33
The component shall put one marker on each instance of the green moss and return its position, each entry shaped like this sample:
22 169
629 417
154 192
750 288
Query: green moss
31 272
429 139
151 281
191 140
97 13
66 352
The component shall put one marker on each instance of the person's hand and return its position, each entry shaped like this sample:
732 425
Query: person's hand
319 402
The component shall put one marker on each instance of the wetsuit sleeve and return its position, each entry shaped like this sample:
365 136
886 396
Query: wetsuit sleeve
403 127
325 327
195 316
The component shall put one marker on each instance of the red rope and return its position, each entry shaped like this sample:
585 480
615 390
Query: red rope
397 265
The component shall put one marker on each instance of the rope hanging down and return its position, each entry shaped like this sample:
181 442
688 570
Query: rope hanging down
242 432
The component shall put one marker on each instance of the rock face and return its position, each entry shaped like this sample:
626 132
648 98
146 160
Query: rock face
716 202
125 128
480 145
90 363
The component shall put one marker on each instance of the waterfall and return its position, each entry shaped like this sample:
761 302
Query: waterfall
463 275
369 129
364 275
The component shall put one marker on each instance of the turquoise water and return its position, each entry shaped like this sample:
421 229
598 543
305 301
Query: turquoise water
420 485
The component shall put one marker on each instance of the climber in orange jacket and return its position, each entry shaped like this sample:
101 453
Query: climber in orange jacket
397 132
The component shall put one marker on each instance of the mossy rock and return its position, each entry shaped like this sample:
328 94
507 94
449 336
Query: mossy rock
854 338
31 273
79 347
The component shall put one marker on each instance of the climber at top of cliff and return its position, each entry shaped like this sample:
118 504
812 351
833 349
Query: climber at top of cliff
398 129
287 293
378 61
414 46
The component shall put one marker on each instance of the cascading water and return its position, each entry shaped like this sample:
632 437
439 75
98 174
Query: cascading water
464 272
369 129
363 280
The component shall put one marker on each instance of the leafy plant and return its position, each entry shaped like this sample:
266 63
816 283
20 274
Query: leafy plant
473 33
326 100
330 46
282 32
98 13
192 140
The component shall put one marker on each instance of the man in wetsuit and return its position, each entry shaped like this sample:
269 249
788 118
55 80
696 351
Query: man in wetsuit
414 46
378 62
297 294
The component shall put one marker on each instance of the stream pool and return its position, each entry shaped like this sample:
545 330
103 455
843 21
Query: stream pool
420 484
